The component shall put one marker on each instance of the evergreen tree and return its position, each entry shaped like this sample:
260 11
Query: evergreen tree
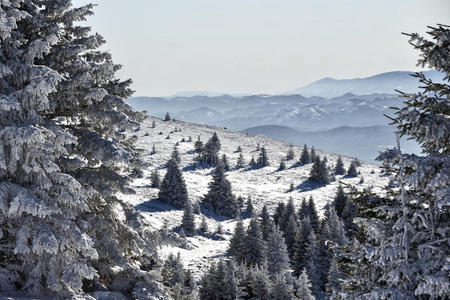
339 168
333 228
289 210
282 166
173 188
240 162
240 202
305 157
278 215
290 234
404 249
334 280
224 162
167 117
312 214
291 187
313 264
219 230
303 210
155 179
319 172
198 146
352 172
252 163
176 155
281 290
209 153
255 246
340 200
290 153
301 242
277 254
261 284
304 287
220 196
237 242
263 160
266 222
249 210
64 155
188 221
153 123
312 155
239 149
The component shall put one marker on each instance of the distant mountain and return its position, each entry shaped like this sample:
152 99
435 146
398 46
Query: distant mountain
361 142
381 83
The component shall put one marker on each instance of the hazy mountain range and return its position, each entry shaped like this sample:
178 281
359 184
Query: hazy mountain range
343 116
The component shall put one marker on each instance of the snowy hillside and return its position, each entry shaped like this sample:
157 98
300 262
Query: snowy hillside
265 185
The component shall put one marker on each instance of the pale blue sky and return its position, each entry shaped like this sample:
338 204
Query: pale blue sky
258 46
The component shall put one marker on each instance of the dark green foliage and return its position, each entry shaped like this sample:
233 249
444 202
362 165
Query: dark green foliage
312 214
209 153
255 251
290 153
249 209
278 215
172 189
238 242
340 200
352 172
263 159
312 155
167 117
305 158
224 163
266 222
188 221
155 180
339 168
319 172
220 196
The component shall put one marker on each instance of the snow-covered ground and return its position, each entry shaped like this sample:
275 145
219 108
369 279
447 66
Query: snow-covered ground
265 185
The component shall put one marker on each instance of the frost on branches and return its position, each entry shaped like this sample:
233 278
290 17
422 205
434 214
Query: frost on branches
64 153
405 246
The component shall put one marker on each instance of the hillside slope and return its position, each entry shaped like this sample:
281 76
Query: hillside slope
265 185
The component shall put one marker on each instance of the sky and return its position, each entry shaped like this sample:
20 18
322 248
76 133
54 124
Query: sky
258 46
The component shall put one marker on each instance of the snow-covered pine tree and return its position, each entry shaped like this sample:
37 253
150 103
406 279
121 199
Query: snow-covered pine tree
312 155
281 289
301 242
313 215
255 252
340 200
290 153
249 207
278 215
239 149
240 162
319 172
237 242
352 172
198 145
277 254
333 228
303 210
204 225
261 284
305 157
404 253
176 155
155 180
266 222
313 264
224 162
209 153
304 287
63 155
188 221
335 277
339 168
220 196
288 211
153 123
167 117
290 235
263 159
172 189
252 163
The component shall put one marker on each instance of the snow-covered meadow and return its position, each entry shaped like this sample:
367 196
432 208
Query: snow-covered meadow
264 185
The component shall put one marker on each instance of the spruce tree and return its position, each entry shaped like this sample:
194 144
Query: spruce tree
303 210
176 155
319 172
281 289
249 207
263 160
220 196
204 225
304 287
240 162
352 172
261 284
255 252
188 221
237 242
224 162
290 234
153 151
266 222
305 157
155 180
153 123
290 153
411 222
339 168
312 155
64 155
312 214
209 153
167 117
340 200
278 215
301 242
198 146
277 254
282 166
313 266
172 189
